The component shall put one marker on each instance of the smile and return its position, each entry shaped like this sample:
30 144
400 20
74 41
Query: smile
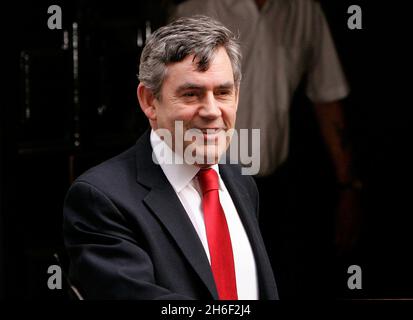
210 130
211 133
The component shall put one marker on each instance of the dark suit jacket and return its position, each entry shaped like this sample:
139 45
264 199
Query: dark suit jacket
129 237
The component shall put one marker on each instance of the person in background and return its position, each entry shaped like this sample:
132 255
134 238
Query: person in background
287 43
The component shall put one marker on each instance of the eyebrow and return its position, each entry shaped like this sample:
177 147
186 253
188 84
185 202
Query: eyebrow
188 86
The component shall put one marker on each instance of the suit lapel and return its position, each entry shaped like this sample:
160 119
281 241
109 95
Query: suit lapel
246 211
165 204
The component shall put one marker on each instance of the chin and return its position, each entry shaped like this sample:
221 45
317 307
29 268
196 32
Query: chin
202 155
207 157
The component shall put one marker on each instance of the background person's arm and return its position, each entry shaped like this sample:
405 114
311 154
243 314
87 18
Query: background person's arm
335 133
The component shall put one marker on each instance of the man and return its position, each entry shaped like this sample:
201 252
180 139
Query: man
286 43
135 229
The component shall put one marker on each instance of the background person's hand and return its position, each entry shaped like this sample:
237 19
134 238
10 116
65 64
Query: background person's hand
348 221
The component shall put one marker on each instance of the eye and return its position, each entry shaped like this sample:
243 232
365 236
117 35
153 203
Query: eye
189 94
223 93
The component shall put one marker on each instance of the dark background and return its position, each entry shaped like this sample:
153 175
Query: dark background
55 124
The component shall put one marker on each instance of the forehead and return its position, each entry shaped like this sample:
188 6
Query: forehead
219 71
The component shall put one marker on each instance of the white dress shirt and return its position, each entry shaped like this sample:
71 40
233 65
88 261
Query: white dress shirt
183 179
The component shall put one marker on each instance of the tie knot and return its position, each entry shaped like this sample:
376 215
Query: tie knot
208 180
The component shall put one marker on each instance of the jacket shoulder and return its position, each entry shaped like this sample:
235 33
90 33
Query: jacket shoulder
112 171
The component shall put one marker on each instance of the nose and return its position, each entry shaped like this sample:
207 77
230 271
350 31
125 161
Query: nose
210 107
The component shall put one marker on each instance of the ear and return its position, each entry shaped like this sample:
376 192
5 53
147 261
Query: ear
146 101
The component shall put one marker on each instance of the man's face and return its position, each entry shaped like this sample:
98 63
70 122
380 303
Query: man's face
204 100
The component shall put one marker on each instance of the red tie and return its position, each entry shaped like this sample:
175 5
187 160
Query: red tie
219 240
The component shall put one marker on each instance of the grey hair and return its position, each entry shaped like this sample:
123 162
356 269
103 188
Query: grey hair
198 35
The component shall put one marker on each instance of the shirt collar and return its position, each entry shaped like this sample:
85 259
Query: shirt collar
178 173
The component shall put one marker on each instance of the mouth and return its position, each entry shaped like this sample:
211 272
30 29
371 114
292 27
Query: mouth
210 130
211 134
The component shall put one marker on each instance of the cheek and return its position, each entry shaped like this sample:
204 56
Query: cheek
186 115
173 114
229 114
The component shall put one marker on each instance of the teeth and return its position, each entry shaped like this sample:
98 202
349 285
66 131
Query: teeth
209 130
